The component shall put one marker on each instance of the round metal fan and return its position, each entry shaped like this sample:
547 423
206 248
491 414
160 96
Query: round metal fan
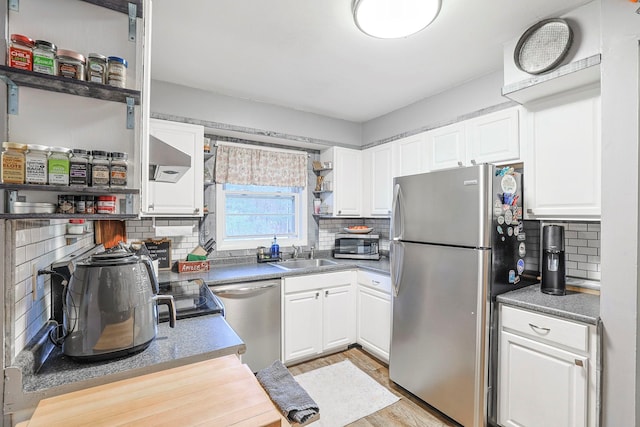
543 46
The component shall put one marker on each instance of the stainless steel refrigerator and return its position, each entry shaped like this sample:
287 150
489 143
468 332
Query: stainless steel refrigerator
457 241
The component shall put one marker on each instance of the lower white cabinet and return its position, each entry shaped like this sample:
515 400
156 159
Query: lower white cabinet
374 313
319 314
546 371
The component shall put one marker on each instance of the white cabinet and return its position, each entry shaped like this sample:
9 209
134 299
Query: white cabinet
373 309
410 155
562 166
491 138
345 181
546 371
378 180
173 172
319 314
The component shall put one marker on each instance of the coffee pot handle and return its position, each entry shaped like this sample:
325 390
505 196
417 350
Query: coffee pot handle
167 300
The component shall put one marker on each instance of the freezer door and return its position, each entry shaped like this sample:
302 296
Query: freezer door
439 329
451 207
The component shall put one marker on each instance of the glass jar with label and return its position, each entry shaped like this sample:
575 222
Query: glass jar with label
21 52
97 68
58 166
79 167
13 161
100 169
44 58
70 64
119 169
117 71
36 164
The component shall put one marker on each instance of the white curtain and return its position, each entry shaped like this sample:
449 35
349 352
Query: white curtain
240 165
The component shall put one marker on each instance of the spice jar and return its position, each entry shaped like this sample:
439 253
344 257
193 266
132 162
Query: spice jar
44 58
70 64
13 162
66 204
75 226
97 68
89 205
36 164
21 52
79 167
117 71
119 169
58 166
106 205
100 169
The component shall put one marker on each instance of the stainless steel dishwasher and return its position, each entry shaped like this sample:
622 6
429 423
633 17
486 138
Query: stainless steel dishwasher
253 311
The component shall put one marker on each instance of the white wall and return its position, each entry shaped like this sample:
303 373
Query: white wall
620 213
182 101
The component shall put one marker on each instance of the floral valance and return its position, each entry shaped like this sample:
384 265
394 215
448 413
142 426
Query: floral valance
240 165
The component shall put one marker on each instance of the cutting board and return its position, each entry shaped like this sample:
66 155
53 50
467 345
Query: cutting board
216 392
110 232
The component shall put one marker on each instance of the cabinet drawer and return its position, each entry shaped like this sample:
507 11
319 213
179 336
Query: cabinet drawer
375 281
546 328
317 281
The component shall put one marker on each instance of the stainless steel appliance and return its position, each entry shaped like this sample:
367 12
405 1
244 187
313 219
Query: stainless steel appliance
252 309
357 246
457 241
553 266
111 306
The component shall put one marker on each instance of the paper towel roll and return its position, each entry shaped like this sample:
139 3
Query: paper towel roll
174 230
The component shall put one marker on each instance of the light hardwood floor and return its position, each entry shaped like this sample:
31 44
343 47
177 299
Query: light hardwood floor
408 411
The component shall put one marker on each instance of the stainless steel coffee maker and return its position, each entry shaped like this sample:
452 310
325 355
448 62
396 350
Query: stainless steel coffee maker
553 265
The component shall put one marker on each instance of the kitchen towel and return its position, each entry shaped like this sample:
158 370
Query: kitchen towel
285 391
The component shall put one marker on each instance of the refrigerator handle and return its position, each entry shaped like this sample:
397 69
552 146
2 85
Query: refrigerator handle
396 230
396 257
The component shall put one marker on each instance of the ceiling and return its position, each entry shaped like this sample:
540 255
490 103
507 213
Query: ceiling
308 55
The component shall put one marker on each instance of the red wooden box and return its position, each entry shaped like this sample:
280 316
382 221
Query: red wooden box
193 266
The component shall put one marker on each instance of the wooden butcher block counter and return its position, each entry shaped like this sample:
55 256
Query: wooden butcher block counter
220 392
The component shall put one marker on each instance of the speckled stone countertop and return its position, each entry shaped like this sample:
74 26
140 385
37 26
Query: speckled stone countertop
236 273
192 340
579 306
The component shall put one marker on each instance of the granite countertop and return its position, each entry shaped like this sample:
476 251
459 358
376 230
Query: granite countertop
579 306
235 273
192 340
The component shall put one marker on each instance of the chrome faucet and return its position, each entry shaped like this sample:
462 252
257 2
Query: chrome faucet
296 251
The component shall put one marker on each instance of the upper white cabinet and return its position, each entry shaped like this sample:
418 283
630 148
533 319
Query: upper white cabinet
410 155
173 170
345 181
562 165
491 138
378 180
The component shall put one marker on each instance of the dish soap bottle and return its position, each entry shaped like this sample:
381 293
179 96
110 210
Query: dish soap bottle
275 249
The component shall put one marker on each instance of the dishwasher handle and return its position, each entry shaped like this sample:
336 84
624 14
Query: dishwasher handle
243 289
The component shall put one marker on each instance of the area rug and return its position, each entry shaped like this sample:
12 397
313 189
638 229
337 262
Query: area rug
344 393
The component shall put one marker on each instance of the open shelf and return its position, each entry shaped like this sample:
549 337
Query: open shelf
69 86
65 216
118 5
69 189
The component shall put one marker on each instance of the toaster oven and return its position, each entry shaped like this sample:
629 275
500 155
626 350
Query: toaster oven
357 246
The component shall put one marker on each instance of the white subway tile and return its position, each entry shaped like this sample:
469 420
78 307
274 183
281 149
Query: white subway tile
593 226
594 275
594 259
587 235
577 226
570 235
577 242
578 258
588 251
587 266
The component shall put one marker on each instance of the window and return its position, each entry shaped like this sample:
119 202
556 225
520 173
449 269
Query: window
248 216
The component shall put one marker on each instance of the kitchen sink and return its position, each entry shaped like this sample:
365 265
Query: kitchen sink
298 264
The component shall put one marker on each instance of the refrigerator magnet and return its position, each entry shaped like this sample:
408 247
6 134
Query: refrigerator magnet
512 276
500 220
520 266
508 217
509 231
508 184
522 249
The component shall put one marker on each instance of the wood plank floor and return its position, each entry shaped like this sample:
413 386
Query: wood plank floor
408 411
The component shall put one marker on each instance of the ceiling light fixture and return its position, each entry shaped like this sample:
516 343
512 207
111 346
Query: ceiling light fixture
391 19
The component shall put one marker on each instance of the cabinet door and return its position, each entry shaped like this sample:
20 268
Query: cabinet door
302 325
410 155
447 147
374 321
347 188
540 385
493 137
338 317
183 157
378 180
562 177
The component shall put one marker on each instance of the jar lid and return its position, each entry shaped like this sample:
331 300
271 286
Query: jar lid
14 145
19 38
118 60
76 221
60 150
80 151
71 54
115 155
36 147
48 45
97 56
99 153
107 198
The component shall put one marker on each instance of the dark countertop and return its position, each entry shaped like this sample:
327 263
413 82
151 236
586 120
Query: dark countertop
236 273
192 340
579 306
